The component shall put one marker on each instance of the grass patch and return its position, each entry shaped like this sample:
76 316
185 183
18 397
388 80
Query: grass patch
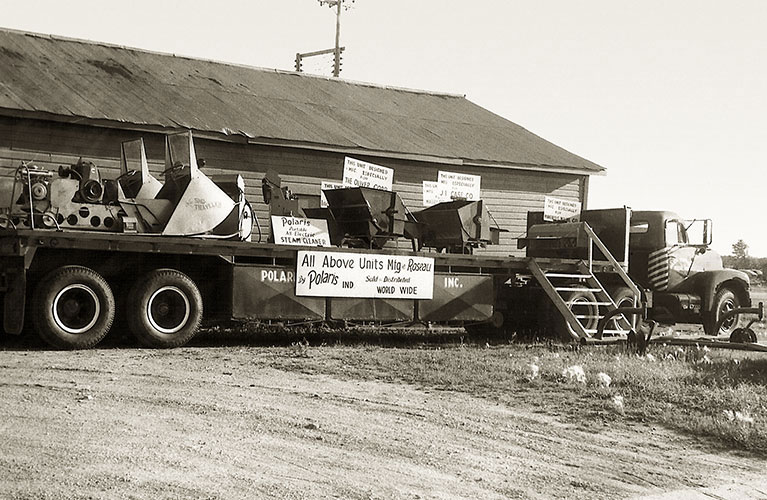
719 396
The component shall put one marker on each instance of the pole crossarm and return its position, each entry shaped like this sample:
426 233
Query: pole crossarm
318 52
300 56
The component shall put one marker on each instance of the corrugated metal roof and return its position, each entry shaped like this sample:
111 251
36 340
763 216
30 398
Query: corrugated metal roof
76 79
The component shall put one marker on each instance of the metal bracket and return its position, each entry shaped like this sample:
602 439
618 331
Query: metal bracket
758 310
633 311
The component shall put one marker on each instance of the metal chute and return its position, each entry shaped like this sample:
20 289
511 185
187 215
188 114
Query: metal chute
135 179
369 217
457 226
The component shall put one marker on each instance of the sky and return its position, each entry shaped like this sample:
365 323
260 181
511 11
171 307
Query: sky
670 96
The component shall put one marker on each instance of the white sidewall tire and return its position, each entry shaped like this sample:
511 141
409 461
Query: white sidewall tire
146 324
187 310
57 287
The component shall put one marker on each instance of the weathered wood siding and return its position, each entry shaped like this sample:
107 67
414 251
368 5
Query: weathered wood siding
509 193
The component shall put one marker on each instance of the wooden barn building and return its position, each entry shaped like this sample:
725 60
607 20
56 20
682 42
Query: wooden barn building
62 99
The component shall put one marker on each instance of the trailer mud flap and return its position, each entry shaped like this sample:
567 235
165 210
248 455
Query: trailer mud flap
14 301
268 292
459 297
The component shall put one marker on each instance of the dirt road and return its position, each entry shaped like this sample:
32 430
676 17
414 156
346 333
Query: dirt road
223 422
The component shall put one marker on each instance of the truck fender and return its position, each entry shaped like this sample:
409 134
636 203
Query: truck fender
707 283
14 300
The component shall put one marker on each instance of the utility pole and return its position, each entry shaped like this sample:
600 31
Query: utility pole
338 49
337 62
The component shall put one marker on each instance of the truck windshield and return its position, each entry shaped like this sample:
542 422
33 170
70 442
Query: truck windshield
676 234
698 232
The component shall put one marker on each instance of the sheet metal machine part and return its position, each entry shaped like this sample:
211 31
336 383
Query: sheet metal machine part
364 217
77 197
457 226
367 217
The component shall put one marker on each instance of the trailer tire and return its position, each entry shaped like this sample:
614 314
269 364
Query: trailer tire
164 309
73 308
581 303
623 297
724 300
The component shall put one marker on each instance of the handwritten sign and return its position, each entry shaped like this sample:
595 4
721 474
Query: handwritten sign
327 185
359 173
430 193
453 185
363 275
298 231
555 209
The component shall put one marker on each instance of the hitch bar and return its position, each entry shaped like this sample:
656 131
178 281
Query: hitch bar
758 310
626 311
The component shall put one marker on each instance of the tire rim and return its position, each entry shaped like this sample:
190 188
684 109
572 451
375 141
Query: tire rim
168 309
727 305
620 321
76 308
582 306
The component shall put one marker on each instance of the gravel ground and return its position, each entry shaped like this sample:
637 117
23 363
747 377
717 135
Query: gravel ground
223 422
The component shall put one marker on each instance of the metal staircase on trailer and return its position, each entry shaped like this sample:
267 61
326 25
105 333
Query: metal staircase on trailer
580 297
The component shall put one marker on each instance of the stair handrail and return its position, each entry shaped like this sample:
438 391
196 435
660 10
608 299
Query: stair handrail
617 267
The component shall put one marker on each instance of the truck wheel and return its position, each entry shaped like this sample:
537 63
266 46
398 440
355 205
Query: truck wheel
623 297
164 309
73 308
724 300
582 304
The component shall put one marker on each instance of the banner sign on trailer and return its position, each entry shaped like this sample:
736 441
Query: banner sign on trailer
328 185
555 209
359 173
453 185
298 231
363 275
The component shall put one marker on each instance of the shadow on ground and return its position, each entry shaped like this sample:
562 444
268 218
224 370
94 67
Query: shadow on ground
276 335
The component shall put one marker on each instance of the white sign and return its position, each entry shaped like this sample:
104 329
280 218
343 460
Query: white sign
555 209
430 193
327 185
363 275
453 186
359 173
296 231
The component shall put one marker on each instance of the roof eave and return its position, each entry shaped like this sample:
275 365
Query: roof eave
240 137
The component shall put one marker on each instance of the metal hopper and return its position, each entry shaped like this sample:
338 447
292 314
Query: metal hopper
457 226
369 217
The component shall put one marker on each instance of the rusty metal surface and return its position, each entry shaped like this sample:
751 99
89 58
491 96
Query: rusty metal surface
77 80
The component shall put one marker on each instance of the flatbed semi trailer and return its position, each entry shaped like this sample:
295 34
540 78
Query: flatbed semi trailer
73 284
81 254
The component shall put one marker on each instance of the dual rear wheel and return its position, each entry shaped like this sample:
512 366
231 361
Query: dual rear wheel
584 306
164 309
73 307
